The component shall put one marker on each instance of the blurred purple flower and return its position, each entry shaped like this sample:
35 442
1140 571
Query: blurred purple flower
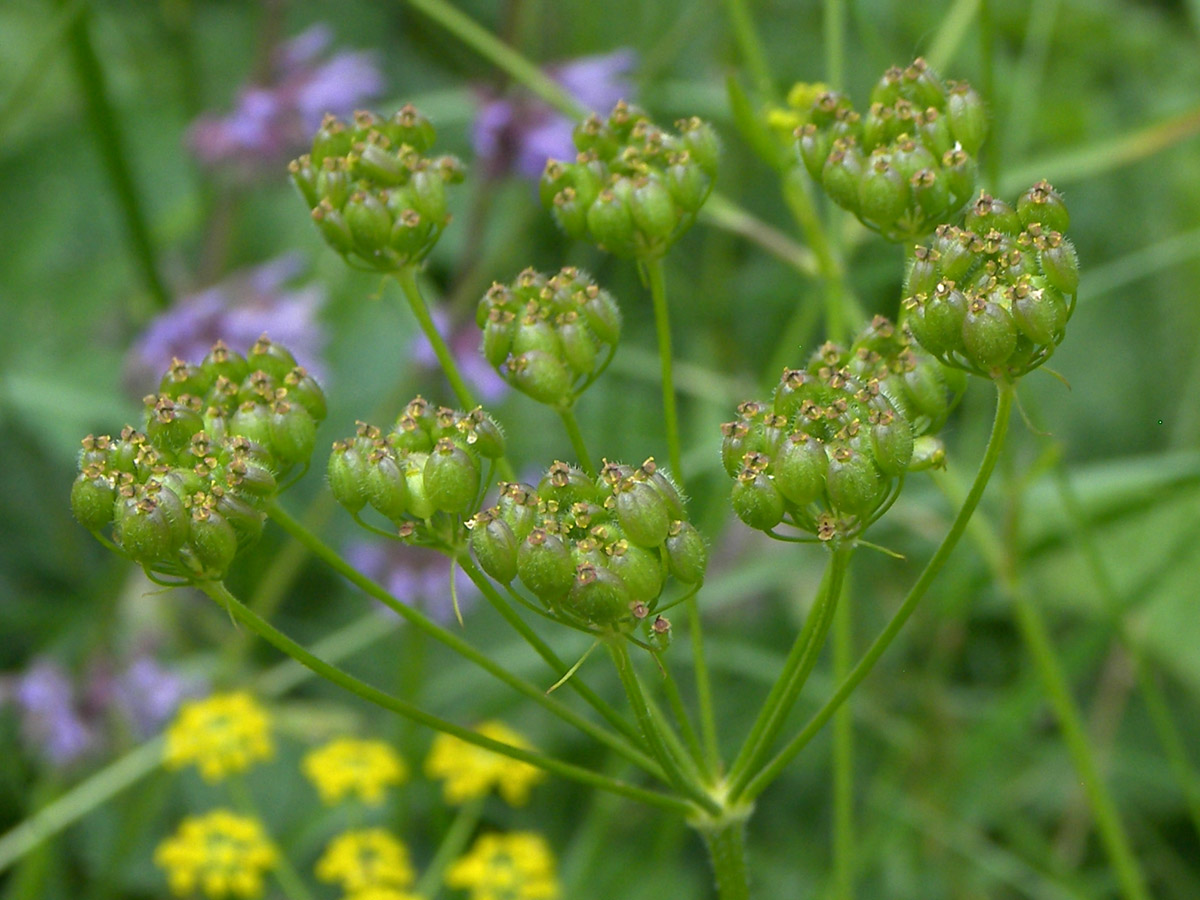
464 346
270 121
248 304
518 133
64 722
417 576
51 721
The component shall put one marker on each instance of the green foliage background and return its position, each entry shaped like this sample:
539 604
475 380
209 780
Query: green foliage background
963 786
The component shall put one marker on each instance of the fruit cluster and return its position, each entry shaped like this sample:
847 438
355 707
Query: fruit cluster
549 337
186 494
908 164
595 551
424 475
374 195
826 455
634 188
994 297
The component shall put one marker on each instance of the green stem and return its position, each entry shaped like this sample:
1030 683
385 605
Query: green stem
834 26
331 673
726 846
103 122
420 621
557 666
1108 822
1004 403
501 55
457 836
407 277
704 697
751 47
567 414
679 710
285 873
843 756
796 669
652 727
987 65
662 324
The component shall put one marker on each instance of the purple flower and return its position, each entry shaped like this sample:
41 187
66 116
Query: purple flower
270 121
247 305
518 133
417 576
147 694
52 723
464 346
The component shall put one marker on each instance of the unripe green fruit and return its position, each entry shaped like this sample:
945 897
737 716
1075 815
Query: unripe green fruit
959 170
687 554
386 485
567 485
922 277
643 513
429 195
1044 205
183 378
535 333
485 436
1040 313
688 185
814 145
348 475
925 390
942 317
928 453
570 213
451 478
495 547
598 595
293 433
247 521
640 569
841 175
303 389
931 193
409 126
892 443
213 541
369 222
145 532
603 316
420 505
304 177
955 259
854 483
372 162
757 501
666 488
267 356
934 131
331 140
579 347
545 567
988 214
170 424
968 117
989 334
518 508
883 193
334 185
799 469
610 222
498 336
542 376
222 361
92 501
1060 265
653 211
333 227
411 234
246 474
734 447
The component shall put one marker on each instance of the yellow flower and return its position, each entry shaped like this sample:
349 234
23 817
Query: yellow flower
220 854
785 120
367 859
347 766
220 735
471 771
382 893
517 866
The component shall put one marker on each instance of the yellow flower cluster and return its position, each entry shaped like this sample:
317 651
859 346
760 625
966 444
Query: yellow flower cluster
382 893
517 866
220 854
785 120
471 771
352 767
220 735
364 860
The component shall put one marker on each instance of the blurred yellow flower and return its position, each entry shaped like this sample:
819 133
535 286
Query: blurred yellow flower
220 854
220 735
368 859
785 120
471 771
382 893
348 766
517 866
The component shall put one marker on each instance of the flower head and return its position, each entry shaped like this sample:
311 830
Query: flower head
52 720
347 766
269 120
517 866
417 575
371 858
470 771
220 854
519 133
220 735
